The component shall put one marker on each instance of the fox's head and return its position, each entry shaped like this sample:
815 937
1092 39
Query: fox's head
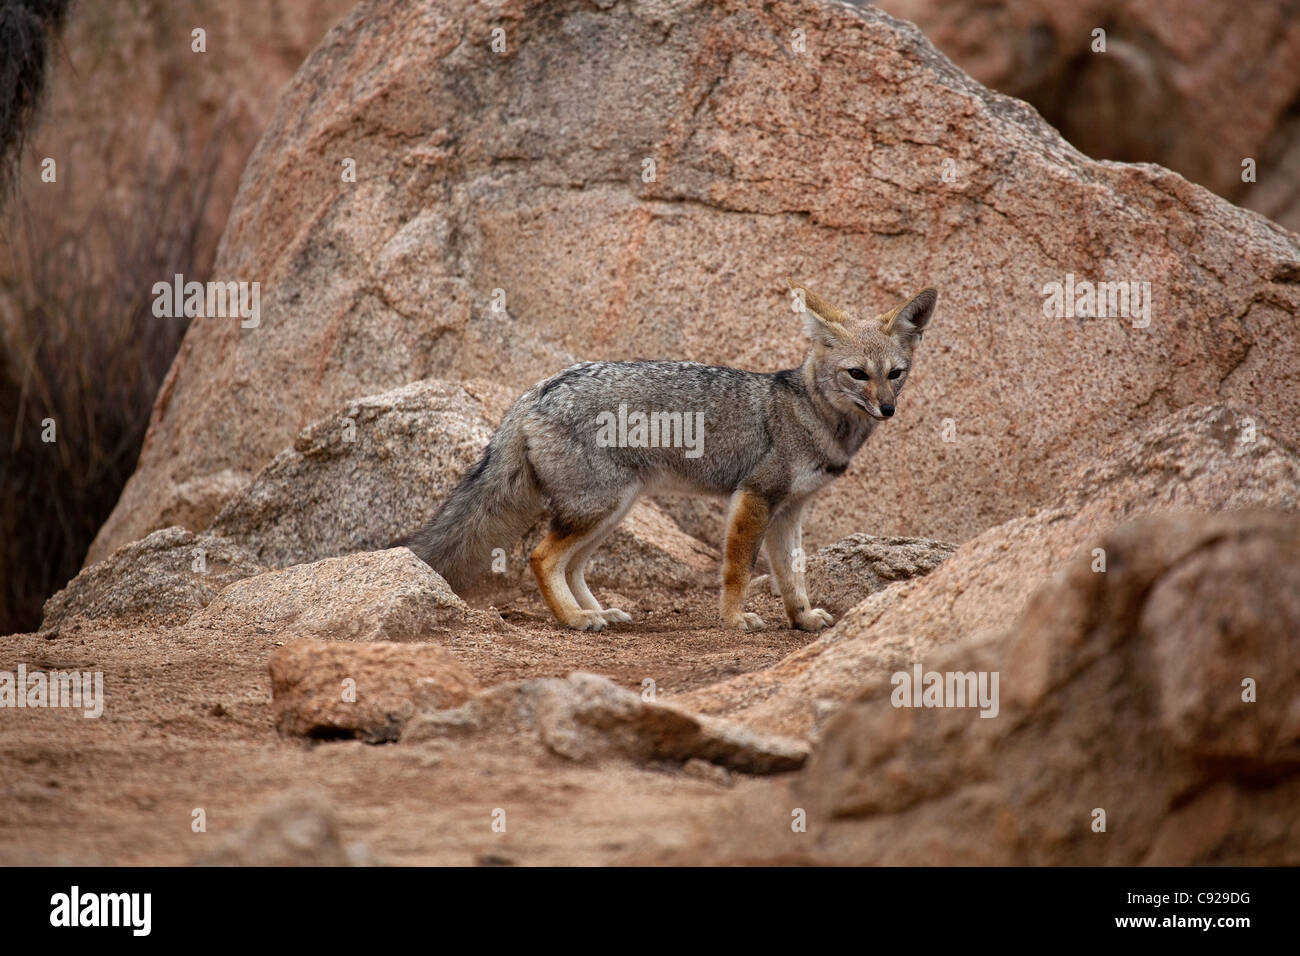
860 365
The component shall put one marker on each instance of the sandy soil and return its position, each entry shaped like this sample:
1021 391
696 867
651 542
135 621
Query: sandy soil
187 724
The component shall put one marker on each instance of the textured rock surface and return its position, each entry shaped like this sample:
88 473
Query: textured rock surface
1196 458
1170 87
1106 704
585 717
847 572
374 596
162 579
1229 611
828 164
361 479
389 684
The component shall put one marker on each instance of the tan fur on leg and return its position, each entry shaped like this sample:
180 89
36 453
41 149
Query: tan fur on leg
745 526
575 573
549 560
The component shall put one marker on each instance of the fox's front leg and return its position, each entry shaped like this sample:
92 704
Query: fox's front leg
746 523
784 546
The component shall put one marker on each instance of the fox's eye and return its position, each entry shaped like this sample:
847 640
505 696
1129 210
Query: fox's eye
895 373
859 374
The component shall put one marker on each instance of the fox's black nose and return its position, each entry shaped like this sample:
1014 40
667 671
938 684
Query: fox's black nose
887 410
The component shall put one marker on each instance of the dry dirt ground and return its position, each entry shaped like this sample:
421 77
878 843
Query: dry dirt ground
187 724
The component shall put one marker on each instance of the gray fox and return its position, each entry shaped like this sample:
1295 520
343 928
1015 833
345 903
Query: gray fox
584 444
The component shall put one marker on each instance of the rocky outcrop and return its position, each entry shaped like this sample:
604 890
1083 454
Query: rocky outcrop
1168 87
845 573
327 690
484 237
374 596
362 478
1143 714
160 580
585 718
1205 458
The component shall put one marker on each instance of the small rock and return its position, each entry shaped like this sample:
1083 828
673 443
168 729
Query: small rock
328 690
585 718
373 596
703 770
843 574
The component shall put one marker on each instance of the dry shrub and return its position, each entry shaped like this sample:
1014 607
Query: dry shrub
85 351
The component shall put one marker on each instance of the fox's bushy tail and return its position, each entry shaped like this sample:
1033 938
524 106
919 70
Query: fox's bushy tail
491 508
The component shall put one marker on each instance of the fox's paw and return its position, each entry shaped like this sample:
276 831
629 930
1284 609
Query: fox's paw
613 615
746 622
814 620
586 621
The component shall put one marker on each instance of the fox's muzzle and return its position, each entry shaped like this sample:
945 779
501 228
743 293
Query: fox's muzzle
884 398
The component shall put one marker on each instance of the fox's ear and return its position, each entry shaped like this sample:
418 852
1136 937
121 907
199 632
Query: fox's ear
824 322
907 322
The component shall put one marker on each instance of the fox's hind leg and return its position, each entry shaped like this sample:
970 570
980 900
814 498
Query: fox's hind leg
575 573
549 561
587 494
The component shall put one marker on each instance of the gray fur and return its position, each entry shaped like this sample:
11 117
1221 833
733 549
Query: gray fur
778 435
491 507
